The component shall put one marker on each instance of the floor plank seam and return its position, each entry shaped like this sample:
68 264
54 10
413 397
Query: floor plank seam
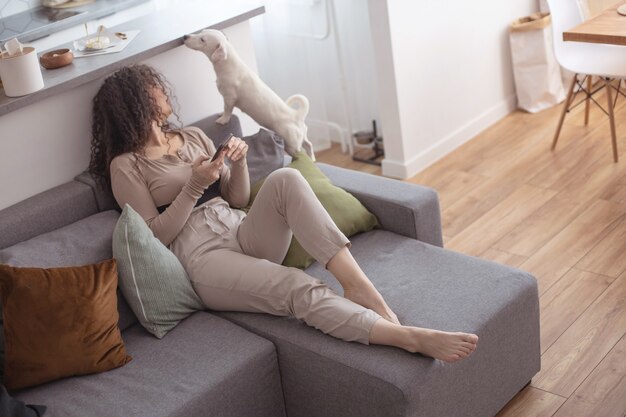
614 202
545 290
561 406
546 391
594 368
565 330
603 357
582 313
597 273
582 209
504 251
605 232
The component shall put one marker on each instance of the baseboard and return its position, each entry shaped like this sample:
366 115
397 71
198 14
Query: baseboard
394 169
441 148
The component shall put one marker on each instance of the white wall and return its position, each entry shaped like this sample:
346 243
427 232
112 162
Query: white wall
48 143
446 68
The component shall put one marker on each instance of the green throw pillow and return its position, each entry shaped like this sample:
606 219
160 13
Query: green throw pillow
151 277
346 211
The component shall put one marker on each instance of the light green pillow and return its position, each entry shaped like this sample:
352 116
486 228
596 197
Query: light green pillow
151 277
346 211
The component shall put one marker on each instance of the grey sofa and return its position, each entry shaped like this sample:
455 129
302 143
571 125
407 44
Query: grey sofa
257 365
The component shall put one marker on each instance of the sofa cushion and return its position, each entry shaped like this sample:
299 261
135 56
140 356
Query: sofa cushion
152 279
46 211
60 322
85 241
204 366
350 216
426 286
266 153
15 408
265 148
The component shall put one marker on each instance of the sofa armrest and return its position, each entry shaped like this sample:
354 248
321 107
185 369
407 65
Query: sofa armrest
407 209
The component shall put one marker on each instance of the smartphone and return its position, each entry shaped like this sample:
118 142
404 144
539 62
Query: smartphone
221 148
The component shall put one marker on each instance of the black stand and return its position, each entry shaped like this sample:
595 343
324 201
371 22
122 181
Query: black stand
377 148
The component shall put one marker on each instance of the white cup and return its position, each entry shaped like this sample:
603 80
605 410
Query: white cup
21 74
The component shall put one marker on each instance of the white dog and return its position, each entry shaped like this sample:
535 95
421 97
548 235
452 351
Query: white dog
243 88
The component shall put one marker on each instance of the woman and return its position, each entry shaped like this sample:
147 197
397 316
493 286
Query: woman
233 259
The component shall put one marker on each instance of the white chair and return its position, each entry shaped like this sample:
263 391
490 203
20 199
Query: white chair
608 62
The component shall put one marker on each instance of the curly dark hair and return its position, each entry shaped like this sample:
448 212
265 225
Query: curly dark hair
123 112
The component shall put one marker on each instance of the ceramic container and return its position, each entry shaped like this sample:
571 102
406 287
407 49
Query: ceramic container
21 74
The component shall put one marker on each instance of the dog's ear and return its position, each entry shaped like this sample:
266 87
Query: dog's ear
219 54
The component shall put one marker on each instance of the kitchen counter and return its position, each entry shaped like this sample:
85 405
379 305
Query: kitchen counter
160 31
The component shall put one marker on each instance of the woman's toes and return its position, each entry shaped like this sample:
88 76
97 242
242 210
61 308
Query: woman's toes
465 349
469 346
449 347
470 338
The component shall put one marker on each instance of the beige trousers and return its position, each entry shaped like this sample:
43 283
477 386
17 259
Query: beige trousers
237 266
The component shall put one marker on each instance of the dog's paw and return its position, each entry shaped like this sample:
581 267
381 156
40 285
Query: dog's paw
223 120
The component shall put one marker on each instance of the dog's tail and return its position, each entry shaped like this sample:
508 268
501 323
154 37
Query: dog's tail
302 105
302 108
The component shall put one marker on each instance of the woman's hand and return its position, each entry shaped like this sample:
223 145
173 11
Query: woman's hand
237 149
207 174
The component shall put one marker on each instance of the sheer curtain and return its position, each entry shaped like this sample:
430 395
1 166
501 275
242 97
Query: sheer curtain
322 49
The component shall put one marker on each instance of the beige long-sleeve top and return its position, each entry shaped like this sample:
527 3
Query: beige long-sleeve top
169 180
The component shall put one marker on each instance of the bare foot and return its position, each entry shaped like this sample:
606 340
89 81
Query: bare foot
448 347
369 297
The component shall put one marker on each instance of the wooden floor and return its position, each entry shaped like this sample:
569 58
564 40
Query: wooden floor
561 216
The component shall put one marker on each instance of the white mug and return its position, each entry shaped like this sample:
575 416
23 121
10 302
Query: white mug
21 74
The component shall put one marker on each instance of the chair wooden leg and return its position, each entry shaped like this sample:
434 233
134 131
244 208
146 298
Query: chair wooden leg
565 108
609 95
587 101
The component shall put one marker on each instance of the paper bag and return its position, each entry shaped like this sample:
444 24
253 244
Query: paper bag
537 73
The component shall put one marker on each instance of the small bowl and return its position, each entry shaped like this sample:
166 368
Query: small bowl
56 59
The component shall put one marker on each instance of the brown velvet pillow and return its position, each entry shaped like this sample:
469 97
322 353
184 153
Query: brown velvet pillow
60 322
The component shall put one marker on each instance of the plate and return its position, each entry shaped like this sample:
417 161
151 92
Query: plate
95 42
622 10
